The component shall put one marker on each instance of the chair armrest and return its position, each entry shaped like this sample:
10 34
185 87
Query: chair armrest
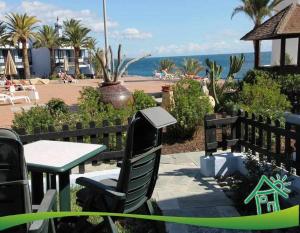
46 205
119 164
101 188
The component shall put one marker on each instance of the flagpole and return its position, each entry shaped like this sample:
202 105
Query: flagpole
105 26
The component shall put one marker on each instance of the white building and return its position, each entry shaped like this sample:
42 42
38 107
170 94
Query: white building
291 44
41 58
16 53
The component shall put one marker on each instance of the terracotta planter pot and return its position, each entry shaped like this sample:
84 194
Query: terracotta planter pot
166 88
115 94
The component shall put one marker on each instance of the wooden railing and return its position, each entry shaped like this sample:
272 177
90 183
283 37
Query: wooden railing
111 136
270 140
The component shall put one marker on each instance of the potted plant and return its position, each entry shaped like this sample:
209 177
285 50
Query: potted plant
111 89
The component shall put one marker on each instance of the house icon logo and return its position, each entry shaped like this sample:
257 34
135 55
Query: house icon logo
269 197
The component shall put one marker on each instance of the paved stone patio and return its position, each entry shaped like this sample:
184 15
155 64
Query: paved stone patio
181 190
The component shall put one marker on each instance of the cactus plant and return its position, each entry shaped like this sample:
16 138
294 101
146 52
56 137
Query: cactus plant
235 66
215 71
113 71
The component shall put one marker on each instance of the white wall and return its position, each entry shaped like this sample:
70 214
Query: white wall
291 45
41 62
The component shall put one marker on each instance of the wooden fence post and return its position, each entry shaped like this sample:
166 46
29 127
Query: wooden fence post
294 120
269 139
246 138
253 132
210 135
238 131
277 145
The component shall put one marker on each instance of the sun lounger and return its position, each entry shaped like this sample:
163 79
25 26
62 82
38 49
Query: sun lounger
11 98
166 75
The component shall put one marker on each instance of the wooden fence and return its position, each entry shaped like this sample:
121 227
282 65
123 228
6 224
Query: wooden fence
270 140
111 136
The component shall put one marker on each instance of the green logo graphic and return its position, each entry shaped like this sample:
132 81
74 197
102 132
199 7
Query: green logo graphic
277 220
270 196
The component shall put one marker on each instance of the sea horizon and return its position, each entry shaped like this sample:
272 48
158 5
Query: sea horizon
147 66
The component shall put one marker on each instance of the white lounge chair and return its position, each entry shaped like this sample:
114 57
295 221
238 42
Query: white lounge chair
166 75
10 99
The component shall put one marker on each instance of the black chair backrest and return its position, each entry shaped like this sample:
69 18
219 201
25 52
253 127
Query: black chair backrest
140 165
14 187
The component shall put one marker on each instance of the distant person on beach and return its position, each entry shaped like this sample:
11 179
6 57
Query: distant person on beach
65 77
157 74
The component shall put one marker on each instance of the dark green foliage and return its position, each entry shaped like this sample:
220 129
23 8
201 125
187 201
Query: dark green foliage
189 109
35 117
289 82
90 103
252 75
91 108
264 98
56 106
141 100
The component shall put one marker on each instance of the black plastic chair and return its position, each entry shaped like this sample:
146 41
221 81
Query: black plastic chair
139 169
14 187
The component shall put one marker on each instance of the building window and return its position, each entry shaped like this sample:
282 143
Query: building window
20 53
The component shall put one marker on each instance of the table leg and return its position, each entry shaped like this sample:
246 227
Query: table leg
64 191
52 181
37 187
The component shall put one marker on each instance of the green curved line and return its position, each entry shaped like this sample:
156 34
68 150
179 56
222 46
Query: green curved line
278 220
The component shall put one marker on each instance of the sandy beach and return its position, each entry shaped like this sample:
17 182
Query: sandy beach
71 92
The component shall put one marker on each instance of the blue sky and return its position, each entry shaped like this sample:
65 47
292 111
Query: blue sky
162 28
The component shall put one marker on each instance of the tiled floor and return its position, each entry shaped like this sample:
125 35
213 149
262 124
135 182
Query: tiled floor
181 190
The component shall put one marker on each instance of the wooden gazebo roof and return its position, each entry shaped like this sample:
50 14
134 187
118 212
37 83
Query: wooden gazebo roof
285 23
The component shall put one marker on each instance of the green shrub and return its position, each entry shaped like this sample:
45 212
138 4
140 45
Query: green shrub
264 98
91 108
37 117
54 76
141 100
90 104
289 82
252 75
56 106
190 107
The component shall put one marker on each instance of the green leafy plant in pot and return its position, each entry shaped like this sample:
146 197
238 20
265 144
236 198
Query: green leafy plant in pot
112 91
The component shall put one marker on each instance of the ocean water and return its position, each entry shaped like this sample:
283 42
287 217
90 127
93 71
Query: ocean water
147 66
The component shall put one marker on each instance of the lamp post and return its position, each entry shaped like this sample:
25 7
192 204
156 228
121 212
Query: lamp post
105 28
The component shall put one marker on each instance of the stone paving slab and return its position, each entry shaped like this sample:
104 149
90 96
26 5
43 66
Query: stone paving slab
181 190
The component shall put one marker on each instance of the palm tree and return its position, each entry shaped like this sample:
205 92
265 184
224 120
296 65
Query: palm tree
48 38
257 10
21 29
91 46
96 62
3 34
166 65
76 35
191 67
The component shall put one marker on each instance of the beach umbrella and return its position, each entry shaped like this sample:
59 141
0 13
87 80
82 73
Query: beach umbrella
66 64
10 67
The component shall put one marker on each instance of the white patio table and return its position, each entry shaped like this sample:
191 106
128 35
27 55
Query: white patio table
56 158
